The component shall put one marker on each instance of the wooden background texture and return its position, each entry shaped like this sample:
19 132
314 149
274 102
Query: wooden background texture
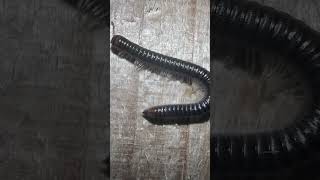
54 103
139 149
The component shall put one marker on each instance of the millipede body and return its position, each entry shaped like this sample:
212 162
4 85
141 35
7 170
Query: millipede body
250 24
161 64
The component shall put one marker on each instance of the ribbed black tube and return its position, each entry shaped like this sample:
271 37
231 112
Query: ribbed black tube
158 63
254 25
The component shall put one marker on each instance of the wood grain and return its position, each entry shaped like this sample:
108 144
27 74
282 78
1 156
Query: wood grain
140 149
53 93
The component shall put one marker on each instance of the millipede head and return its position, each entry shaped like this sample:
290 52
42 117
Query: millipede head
117 47
149 113
116 40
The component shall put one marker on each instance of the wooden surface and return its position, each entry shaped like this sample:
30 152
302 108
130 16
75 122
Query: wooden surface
53 93
139 149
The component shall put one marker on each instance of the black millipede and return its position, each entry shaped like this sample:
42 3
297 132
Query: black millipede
255 25
250 24
161 64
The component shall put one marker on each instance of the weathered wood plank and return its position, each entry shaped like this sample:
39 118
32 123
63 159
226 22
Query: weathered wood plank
53 101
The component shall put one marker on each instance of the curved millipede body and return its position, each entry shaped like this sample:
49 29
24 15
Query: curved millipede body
97 9
253 25
158 63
